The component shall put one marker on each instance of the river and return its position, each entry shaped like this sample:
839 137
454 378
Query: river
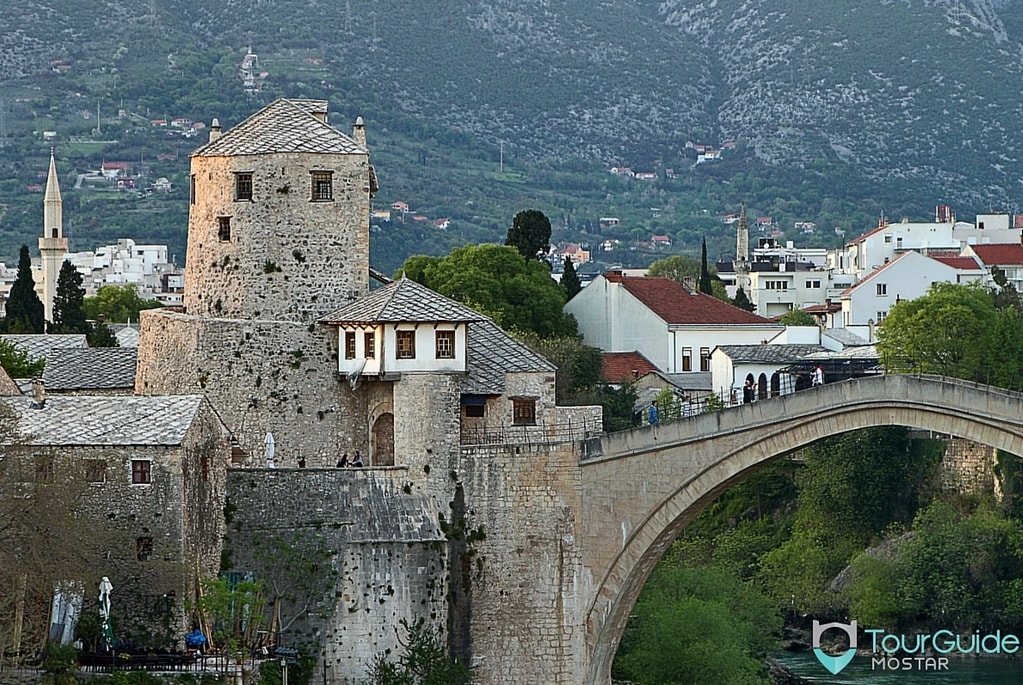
858 672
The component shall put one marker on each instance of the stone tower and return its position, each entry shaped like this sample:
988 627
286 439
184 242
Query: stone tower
278 235
278 226
53 244
742 267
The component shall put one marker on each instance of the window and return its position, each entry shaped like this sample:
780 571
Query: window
144 548
704 359
882 289
474 410
243 186
323 186
776 285
445 344
406 341
224 228
141 471
369 341
888 239
191 189
349 344
881 316
44 469
813 284
95 471
687 359
523 412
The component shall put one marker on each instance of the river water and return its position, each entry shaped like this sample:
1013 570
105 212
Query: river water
858 672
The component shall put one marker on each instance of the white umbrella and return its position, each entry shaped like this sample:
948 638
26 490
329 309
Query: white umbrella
268 444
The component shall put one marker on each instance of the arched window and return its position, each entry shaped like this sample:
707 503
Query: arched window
382 449
762 387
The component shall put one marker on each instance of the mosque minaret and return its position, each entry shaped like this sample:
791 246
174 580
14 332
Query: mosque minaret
53 244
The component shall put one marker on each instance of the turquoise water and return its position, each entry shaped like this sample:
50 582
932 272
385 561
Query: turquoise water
960 672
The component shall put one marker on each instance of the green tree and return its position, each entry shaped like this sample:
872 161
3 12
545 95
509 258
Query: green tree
954 330
68 315
17 363
100 335
677 268
117 304
797 317
518 294
742 301
530 233
705 282
24 308
570 280
423 661
696 625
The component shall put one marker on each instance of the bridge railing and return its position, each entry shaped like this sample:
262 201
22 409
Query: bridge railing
541 433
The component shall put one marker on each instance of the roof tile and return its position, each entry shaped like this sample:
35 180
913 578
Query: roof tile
676 305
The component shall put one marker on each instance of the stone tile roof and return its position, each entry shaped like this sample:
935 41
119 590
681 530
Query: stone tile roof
39 346
280 127
402 301
676 305
846 337
492 354
91 368
105 420
769 354
127 334
624 367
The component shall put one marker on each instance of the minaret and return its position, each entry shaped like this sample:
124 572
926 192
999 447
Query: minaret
742 279
53 244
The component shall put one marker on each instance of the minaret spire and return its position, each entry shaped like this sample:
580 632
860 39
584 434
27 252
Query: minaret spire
53 244
741 265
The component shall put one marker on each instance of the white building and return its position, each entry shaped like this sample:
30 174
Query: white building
673 327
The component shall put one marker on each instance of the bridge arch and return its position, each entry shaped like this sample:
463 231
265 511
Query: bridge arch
676 470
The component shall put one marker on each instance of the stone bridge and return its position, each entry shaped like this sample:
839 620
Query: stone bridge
639 488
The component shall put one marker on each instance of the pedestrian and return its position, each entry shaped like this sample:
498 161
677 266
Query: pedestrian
357 460
748 391
342 463
818 376
652 417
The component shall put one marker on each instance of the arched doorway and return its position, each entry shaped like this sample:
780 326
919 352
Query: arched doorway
762 387
775 384
382 448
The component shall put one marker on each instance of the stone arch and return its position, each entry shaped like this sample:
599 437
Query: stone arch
382 441
971 412
762 387
775 384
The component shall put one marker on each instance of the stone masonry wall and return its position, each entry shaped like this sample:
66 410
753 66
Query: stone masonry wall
379 540
288 257
968 467
260 376
526 579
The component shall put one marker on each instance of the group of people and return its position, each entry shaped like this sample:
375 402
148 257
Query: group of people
344 463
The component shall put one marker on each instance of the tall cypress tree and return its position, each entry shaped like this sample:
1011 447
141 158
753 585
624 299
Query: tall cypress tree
24 308
570 279
68 316
705 283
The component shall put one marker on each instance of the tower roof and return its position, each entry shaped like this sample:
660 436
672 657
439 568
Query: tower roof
280 127
52 182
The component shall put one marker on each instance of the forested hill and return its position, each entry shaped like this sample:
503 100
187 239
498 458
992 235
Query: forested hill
920 96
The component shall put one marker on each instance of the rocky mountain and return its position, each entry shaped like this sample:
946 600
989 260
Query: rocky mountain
914 95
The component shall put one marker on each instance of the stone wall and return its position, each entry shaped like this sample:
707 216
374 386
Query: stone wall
260 376
968 467
287 257
379 541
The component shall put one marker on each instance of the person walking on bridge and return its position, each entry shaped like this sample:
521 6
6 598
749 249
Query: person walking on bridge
818 376
652 415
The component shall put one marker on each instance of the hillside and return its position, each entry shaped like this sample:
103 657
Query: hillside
836 111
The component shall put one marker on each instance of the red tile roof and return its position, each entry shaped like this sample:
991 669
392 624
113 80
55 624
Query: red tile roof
676 305
961 263
1007 253
624 367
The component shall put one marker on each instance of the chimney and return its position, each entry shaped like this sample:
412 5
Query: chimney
38 393
359 132
214 129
